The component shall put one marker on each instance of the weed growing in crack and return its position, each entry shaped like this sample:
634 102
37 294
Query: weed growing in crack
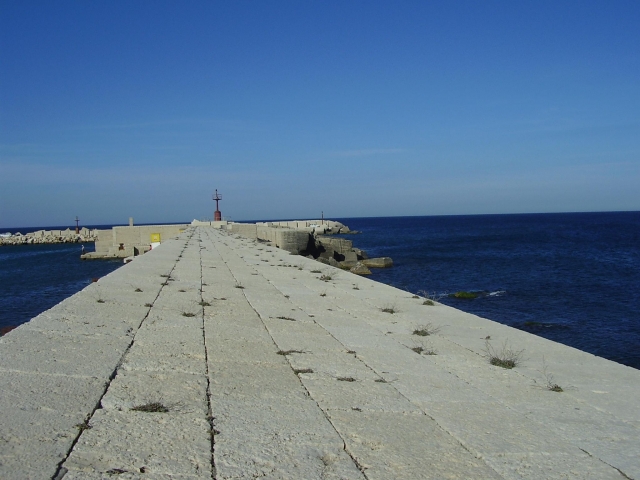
425 330
148 305
100 300
424 349
151 407
346 379
83 426
389 309
287 318
288 352
325 278
316 271
239 285
303 370
204 304
380 380
506 357
323 294
138 290
188 314
551 385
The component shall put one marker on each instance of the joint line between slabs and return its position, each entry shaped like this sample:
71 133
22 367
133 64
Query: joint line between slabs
60 470
344 445
210 417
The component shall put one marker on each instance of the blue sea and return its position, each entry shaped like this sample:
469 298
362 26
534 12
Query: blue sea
34 278
573 278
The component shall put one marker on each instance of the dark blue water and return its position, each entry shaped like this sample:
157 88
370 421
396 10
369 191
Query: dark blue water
573 278
34 278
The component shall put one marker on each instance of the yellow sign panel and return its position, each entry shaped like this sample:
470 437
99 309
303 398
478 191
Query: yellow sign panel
155 237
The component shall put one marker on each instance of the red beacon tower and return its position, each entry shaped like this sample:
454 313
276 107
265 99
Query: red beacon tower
217 215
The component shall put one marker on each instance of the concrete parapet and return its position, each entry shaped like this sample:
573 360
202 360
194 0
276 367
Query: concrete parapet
214 224
145 234
104 241
120 242
248 230
293 241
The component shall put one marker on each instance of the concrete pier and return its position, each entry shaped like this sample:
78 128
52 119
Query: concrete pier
215 356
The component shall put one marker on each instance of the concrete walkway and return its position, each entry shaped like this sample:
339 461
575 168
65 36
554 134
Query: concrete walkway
214 356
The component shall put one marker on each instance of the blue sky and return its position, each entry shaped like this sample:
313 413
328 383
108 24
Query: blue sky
355 108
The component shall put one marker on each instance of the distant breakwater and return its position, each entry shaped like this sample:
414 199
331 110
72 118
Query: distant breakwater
50 236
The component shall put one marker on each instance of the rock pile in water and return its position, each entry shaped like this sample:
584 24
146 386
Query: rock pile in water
50 236
339 252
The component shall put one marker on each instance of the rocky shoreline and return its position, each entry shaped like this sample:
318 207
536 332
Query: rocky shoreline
340 252
50 236
314 239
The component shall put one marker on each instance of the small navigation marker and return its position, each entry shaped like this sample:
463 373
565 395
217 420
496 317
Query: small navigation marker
217 215
77 227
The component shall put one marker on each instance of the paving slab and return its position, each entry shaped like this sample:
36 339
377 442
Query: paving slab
51 352
405 446
154 443
180 392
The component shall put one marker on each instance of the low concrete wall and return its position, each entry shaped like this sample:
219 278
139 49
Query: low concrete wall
128 241
293 241
248 230
104 241
142 235
215 224
317 226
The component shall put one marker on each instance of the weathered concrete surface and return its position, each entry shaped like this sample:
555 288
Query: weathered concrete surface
263 369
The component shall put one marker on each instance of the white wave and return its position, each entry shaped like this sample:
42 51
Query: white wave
497 293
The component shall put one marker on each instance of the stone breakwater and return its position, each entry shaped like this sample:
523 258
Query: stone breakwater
50 236
218 356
